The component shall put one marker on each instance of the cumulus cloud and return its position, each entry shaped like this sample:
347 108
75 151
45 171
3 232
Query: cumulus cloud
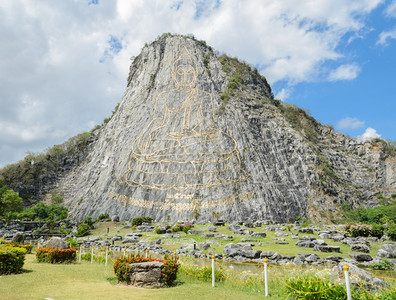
344 72
385 36
349 123
390 11
369 134
283 94
64 66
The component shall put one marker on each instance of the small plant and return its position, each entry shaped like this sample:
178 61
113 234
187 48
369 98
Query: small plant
359 229
383 264
204 274
83 229
102 217
55 255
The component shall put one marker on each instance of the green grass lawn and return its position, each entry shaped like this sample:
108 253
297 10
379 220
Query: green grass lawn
267 244
95 281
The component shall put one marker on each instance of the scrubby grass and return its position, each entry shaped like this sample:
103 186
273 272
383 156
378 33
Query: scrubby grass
86 281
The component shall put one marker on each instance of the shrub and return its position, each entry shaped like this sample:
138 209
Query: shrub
72 242
187 226
140 220
169 272
391 232
55 255
377 230
27 247
359 229
11 259
83 229
102 217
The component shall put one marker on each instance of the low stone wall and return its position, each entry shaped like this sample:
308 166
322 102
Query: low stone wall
147 274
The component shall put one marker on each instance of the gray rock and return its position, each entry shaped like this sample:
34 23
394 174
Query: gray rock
259 234
266 254
306 230
56 242
191 231
252 254
360 257
326 248
207 235
360 248
281 233
115 238
203 246
387 250
305 244
211 228
147 274
18 237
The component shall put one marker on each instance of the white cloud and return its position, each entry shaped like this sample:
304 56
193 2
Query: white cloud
344 72
385 35
369 134
349 123
391 9
283 94
51 52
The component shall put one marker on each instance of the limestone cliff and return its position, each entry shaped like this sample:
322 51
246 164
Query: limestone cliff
200 133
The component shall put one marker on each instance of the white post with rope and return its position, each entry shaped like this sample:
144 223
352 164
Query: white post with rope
107 253
147 253
92 253
79 254
266 276
347 282
124 252
213 270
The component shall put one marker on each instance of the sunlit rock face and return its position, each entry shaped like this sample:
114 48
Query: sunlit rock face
198 134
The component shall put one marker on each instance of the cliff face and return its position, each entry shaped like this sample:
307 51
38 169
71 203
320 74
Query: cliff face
198 133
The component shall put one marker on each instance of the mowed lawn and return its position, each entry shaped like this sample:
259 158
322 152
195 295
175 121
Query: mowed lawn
86 281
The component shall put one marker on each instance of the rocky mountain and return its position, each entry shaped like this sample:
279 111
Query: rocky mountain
199 134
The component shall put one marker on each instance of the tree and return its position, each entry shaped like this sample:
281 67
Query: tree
10 202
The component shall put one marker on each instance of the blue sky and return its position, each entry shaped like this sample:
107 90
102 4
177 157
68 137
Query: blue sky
64 64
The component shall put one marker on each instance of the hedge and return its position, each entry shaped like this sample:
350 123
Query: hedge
55 255
11 259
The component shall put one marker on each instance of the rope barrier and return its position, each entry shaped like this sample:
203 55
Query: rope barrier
381 287
300 269
375 276
357 282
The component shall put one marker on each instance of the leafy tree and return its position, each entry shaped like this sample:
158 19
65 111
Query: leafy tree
10 202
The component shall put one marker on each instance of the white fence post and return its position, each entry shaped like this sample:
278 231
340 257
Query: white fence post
79 254
213 270
107 253
92 253
124 252
147 253
347 282
266 276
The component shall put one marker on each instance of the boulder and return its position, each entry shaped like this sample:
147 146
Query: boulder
360 257
281 233
207 235
211 228
260 234
306 230
147 274
192 231
305 244
17 238
56 242
360 248
203 246
252 254
387 250
326 248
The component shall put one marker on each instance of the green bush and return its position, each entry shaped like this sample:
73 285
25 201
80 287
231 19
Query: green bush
391 231
83 229
102 217
359 229
377 230
72 242
55 255
140 220
11 259
169 272
27 247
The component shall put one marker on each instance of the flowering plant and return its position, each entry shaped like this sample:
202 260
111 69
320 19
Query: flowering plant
359 229
169 271
55 255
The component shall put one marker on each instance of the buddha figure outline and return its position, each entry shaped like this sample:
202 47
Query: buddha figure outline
181 148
